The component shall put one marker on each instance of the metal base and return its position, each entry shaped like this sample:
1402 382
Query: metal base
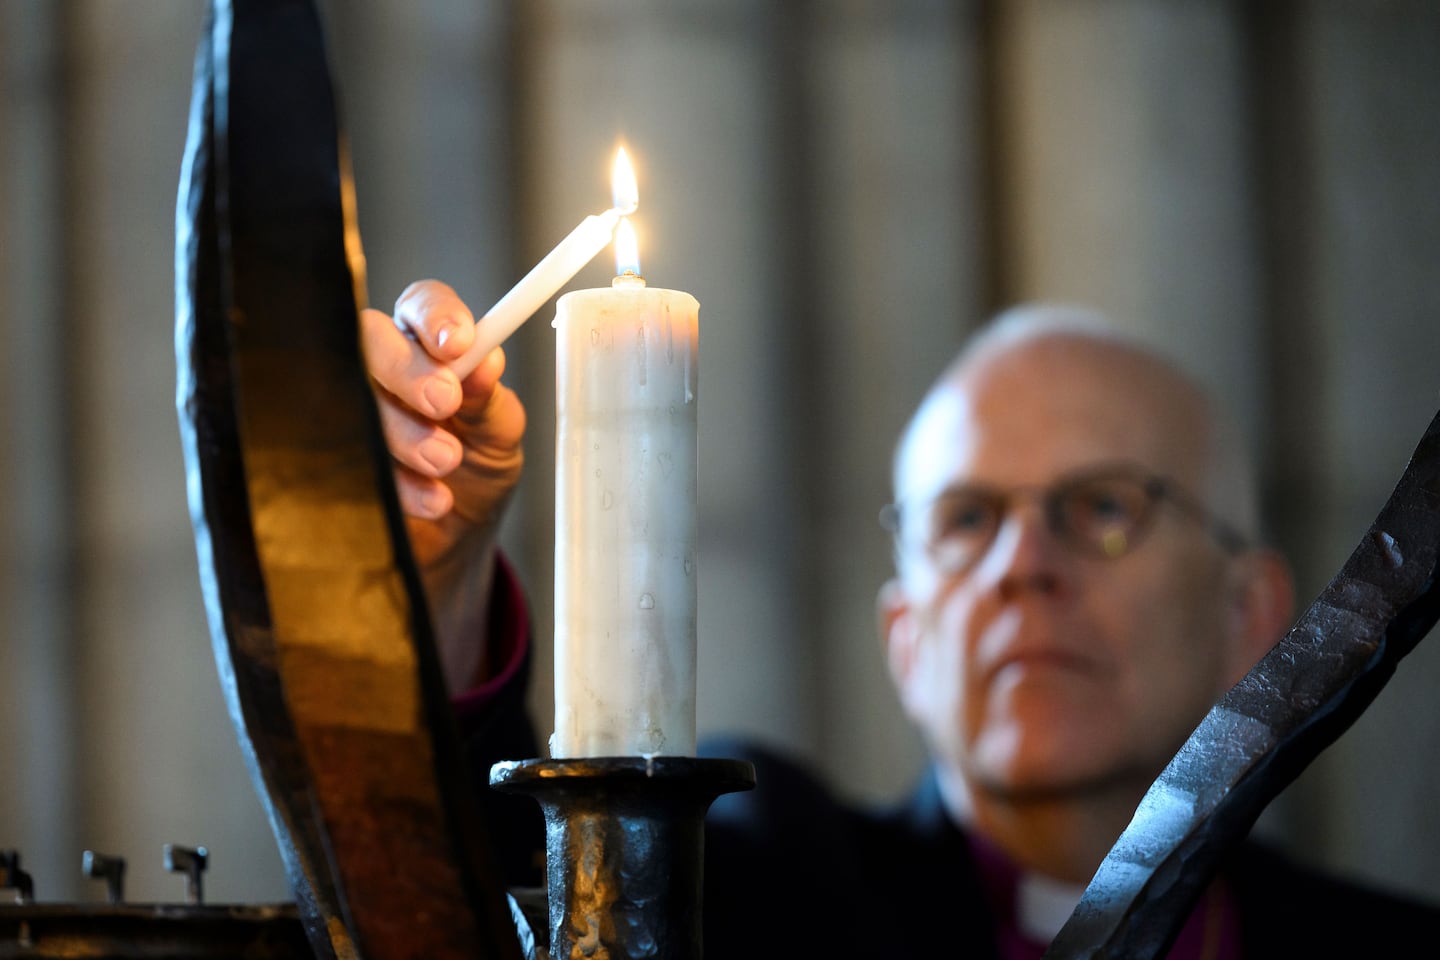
624 848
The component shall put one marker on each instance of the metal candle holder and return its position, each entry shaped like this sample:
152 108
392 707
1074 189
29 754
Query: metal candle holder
624 848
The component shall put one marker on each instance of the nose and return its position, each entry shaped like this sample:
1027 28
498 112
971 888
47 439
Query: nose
1025 556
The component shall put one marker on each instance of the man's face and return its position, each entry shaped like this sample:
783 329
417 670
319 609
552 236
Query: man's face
1041 668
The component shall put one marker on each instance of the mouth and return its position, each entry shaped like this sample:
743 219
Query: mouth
1026 661
1016 647
1041 660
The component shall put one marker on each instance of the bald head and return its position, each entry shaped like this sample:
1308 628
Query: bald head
1069 388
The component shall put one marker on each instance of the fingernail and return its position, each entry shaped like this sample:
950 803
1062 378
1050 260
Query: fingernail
438 454
433 503
440 394
444 334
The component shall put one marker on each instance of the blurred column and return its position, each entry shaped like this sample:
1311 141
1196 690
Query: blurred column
424 97
895 225
37 604
1123 160
1371 135
159 760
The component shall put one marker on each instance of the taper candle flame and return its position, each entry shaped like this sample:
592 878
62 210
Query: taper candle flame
624 192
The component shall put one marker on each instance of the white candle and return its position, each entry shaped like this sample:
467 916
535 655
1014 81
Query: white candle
554 270
627 365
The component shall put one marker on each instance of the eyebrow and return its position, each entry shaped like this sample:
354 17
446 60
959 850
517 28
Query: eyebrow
1100 468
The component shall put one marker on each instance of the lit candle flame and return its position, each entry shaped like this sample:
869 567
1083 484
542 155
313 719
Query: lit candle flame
624 193
627 250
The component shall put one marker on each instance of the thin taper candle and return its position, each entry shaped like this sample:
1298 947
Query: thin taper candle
556 269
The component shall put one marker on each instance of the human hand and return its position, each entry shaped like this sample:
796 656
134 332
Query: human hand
456 447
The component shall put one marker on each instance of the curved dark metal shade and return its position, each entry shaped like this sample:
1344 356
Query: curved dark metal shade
317 613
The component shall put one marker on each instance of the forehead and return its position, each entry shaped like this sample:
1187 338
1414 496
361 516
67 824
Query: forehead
1027 413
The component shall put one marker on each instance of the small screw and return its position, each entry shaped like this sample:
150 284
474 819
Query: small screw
191 862
98 866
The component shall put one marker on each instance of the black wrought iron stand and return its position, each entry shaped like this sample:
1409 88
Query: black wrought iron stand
624 848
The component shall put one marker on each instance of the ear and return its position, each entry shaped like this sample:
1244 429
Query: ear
898 632
1262 607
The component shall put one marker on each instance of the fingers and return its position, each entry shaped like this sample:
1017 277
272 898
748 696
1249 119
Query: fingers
407 356
424 447
400 357
437 317
402 368
455 443
423 452
479 387
424 498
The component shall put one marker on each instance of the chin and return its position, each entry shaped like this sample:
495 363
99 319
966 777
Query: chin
1017 765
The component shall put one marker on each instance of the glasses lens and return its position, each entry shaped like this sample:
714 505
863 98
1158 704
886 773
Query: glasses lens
1106 514
959 525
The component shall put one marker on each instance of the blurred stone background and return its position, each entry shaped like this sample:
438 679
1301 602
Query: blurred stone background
847 187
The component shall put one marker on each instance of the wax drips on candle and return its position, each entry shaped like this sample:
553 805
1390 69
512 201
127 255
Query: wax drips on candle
641 358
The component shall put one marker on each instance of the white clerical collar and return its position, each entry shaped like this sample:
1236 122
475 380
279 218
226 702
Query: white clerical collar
1043 905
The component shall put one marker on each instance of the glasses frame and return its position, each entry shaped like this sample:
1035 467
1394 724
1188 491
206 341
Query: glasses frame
1158 490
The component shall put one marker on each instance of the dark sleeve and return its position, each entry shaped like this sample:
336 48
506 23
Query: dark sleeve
495 725
1290 909
793 856
786 856
769 858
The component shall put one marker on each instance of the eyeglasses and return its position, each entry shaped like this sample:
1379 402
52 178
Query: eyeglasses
1104 512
